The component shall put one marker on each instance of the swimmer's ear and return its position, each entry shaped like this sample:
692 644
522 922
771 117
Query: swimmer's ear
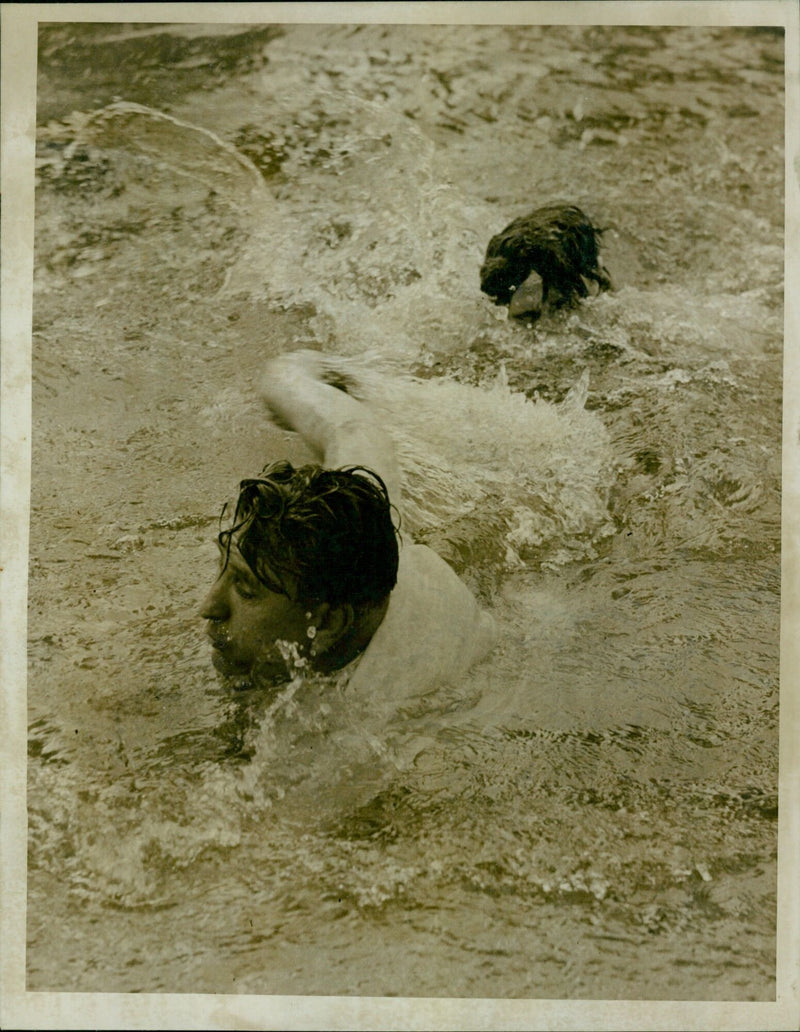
333 623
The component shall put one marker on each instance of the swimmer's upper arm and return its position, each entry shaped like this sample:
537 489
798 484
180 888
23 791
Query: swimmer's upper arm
361 442
338 428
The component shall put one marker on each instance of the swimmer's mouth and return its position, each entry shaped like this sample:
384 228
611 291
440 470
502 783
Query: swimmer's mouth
220 653
224 665
218 642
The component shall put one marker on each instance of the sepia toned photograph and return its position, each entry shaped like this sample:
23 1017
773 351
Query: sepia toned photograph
404 573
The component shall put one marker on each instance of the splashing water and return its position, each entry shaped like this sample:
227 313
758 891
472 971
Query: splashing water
591 812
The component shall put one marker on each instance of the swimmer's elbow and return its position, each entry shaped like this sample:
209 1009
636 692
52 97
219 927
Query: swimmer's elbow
296 400
330 421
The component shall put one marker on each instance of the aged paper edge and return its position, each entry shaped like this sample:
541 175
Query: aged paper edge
21 1009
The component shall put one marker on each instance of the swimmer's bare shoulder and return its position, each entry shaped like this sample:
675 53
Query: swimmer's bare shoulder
433 631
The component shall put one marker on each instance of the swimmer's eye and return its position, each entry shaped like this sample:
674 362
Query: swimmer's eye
243 591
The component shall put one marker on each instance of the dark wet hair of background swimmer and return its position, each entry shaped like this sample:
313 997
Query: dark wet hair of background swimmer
558 242
317 535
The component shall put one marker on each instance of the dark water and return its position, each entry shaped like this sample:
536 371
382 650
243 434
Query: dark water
593 813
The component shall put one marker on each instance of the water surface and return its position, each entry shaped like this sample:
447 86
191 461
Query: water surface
593 813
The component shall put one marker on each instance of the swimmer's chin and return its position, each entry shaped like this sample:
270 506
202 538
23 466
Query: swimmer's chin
235 675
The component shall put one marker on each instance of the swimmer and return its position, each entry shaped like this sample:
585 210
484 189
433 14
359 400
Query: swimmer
542 261
313 575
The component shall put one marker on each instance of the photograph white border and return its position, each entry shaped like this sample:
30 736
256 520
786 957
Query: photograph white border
45 1010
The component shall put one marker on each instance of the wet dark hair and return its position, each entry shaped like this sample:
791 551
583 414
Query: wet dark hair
558 242
317 535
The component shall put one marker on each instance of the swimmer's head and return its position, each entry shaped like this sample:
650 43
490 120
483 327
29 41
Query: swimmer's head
317 535
309 558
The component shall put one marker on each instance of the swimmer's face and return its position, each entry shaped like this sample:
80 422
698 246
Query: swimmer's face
246 619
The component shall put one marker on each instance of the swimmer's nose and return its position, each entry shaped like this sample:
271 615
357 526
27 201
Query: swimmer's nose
214 606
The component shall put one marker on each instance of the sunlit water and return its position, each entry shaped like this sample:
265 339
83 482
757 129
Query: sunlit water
592 813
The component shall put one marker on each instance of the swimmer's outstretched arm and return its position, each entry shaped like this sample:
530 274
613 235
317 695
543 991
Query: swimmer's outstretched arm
341 430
